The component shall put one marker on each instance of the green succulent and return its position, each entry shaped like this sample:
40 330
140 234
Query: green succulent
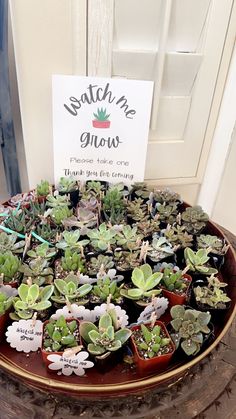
145 282
141 189
196 261
57 201
9 243
95 188
101 115
60 334
9 266
137 210
194 219
148 227
72 262
67 184
71 241
159 249
67 289
167 213
189 326
165 196
38 270
46 232
103 237
104 338
43 251
126 261
212 295
178 236
151 341
59 214
214 243
5 303
128 238
19 222
113 205
96 263
31 299
43 188
105 287
173 280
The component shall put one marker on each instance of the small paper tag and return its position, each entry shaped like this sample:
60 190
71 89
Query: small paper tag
67 365
121 314
24 336
75 312
158 306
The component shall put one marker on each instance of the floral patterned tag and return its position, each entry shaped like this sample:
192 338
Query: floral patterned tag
157 306
25 335
66 365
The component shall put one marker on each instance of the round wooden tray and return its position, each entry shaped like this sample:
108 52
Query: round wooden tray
123 379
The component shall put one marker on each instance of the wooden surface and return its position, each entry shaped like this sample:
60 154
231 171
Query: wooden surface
207 391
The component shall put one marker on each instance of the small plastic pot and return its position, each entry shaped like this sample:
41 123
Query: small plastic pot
74 197
46 353
157 363
177 299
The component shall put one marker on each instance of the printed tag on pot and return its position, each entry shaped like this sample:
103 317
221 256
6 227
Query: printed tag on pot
157 306
74 312
122 317
100 128
67 365
25 335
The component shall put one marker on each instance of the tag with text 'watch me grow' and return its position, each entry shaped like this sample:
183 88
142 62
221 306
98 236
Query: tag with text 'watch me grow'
100 128
67 365
157 306
25 335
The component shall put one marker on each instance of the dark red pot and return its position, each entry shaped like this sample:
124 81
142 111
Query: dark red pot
157 363
176 299
3 323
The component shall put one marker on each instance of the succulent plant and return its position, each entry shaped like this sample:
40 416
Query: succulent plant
105 337
43 188
165 196
113 205
5 303
43 251
197 261
212 295
214 243
103 237
9 243
67 184
55 201
173 280
38 270
145 283
128 238
18 222
189 326
85 219
67 289
95 188
194 219
167 212
71 241
178 236
126 261
95 264
9 266
72 262
58 215
46 232
148 227
101 115
89 204
60 334
104 288
151 341
31 299
159 249
141 189
137 210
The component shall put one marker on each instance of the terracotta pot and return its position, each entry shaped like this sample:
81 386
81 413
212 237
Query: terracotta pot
101 124
177 299
157 363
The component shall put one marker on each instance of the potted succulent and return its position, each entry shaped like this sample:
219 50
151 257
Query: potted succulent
105 342
137 211
10 243
42 251
5 305
38 271
217 248
69 186
113 205
70 240
10 268
128 239
95 188
160 249
70 262
101 119
178 237
152 347
32 299
194 219
166 196
197 262
42 190
146 228
106 287
102 238
190 328
19 222
59 335
58 215
167 213
94 264
209 296
55 201
175 285
68 290
140 190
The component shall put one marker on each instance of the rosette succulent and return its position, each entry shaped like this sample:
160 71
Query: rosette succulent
31 299
60 334
103 237
9 266
9 243
197 261
194 219
145 283
68 289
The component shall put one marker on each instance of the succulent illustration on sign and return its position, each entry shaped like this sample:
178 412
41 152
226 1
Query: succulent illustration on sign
101 120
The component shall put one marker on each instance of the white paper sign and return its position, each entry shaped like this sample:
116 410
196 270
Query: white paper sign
25 336
158 306
75 312
100 128
67 365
